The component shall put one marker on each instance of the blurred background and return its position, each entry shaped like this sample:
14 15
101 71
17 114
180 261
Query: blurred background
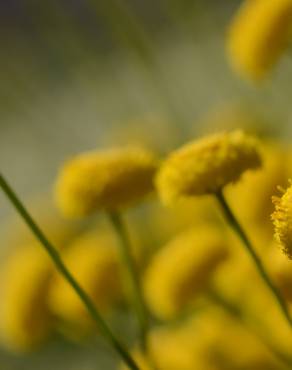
74 71
81 74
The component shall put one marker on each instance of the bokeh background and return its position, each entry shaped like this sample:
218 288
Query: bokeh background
78 74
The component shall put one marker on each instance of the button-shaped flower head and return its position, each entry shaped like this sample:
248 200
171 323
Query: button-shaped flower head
205 166
108 179
282 218
182 268
258 34
93 259
25 317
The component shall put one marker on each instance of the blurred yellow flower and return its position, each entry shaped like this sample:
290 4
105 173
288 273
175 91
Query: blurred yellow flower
239 282
282 219
205 166
258 34
211 340
182 268
165 223
93 260
237 347
281 271
257 298
25 320
105 180
251 197
179 348
234 277
174 348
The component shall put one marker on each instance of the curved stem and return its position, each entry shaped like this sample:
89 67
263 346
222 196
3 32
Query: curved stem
61 267
133 277
235 225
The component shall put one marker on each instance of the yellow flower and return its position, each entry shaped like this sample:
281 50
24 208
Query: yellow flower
93 260
181 269
205 166
211 340
104 180
256 298
258 35
235 346
282 218
174 348
24 316
257 188
234 277
164 223
281 271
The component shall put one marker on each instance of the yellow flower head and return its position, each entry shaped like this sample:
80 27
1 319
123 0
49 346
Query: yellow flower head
205 166
228 337
94 261
282 218
24 318
257 188
211 340
181 269
174 348
105 180
258 34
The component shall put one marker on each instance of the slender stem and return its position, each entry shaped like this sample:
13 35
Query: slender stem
61 267
133 277
231 219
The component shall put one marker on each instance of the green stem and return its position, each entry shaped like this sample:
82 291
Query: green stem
231 219
133 277
61 267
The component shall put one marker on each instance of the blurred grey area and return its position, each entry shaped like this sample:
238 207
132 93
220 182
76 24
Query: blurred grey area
75 74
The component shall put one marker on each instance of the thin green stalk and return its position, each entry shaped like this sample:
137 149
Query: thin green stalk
133 277
61 267
235 225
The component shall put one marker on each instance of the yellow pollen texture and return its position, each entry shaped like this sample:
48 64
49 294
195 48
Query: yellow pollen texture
108 179
205 166
282 218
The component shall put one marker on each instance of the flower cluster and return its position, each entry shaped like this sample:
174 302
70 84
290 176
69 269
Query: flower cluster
199 265
191 296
